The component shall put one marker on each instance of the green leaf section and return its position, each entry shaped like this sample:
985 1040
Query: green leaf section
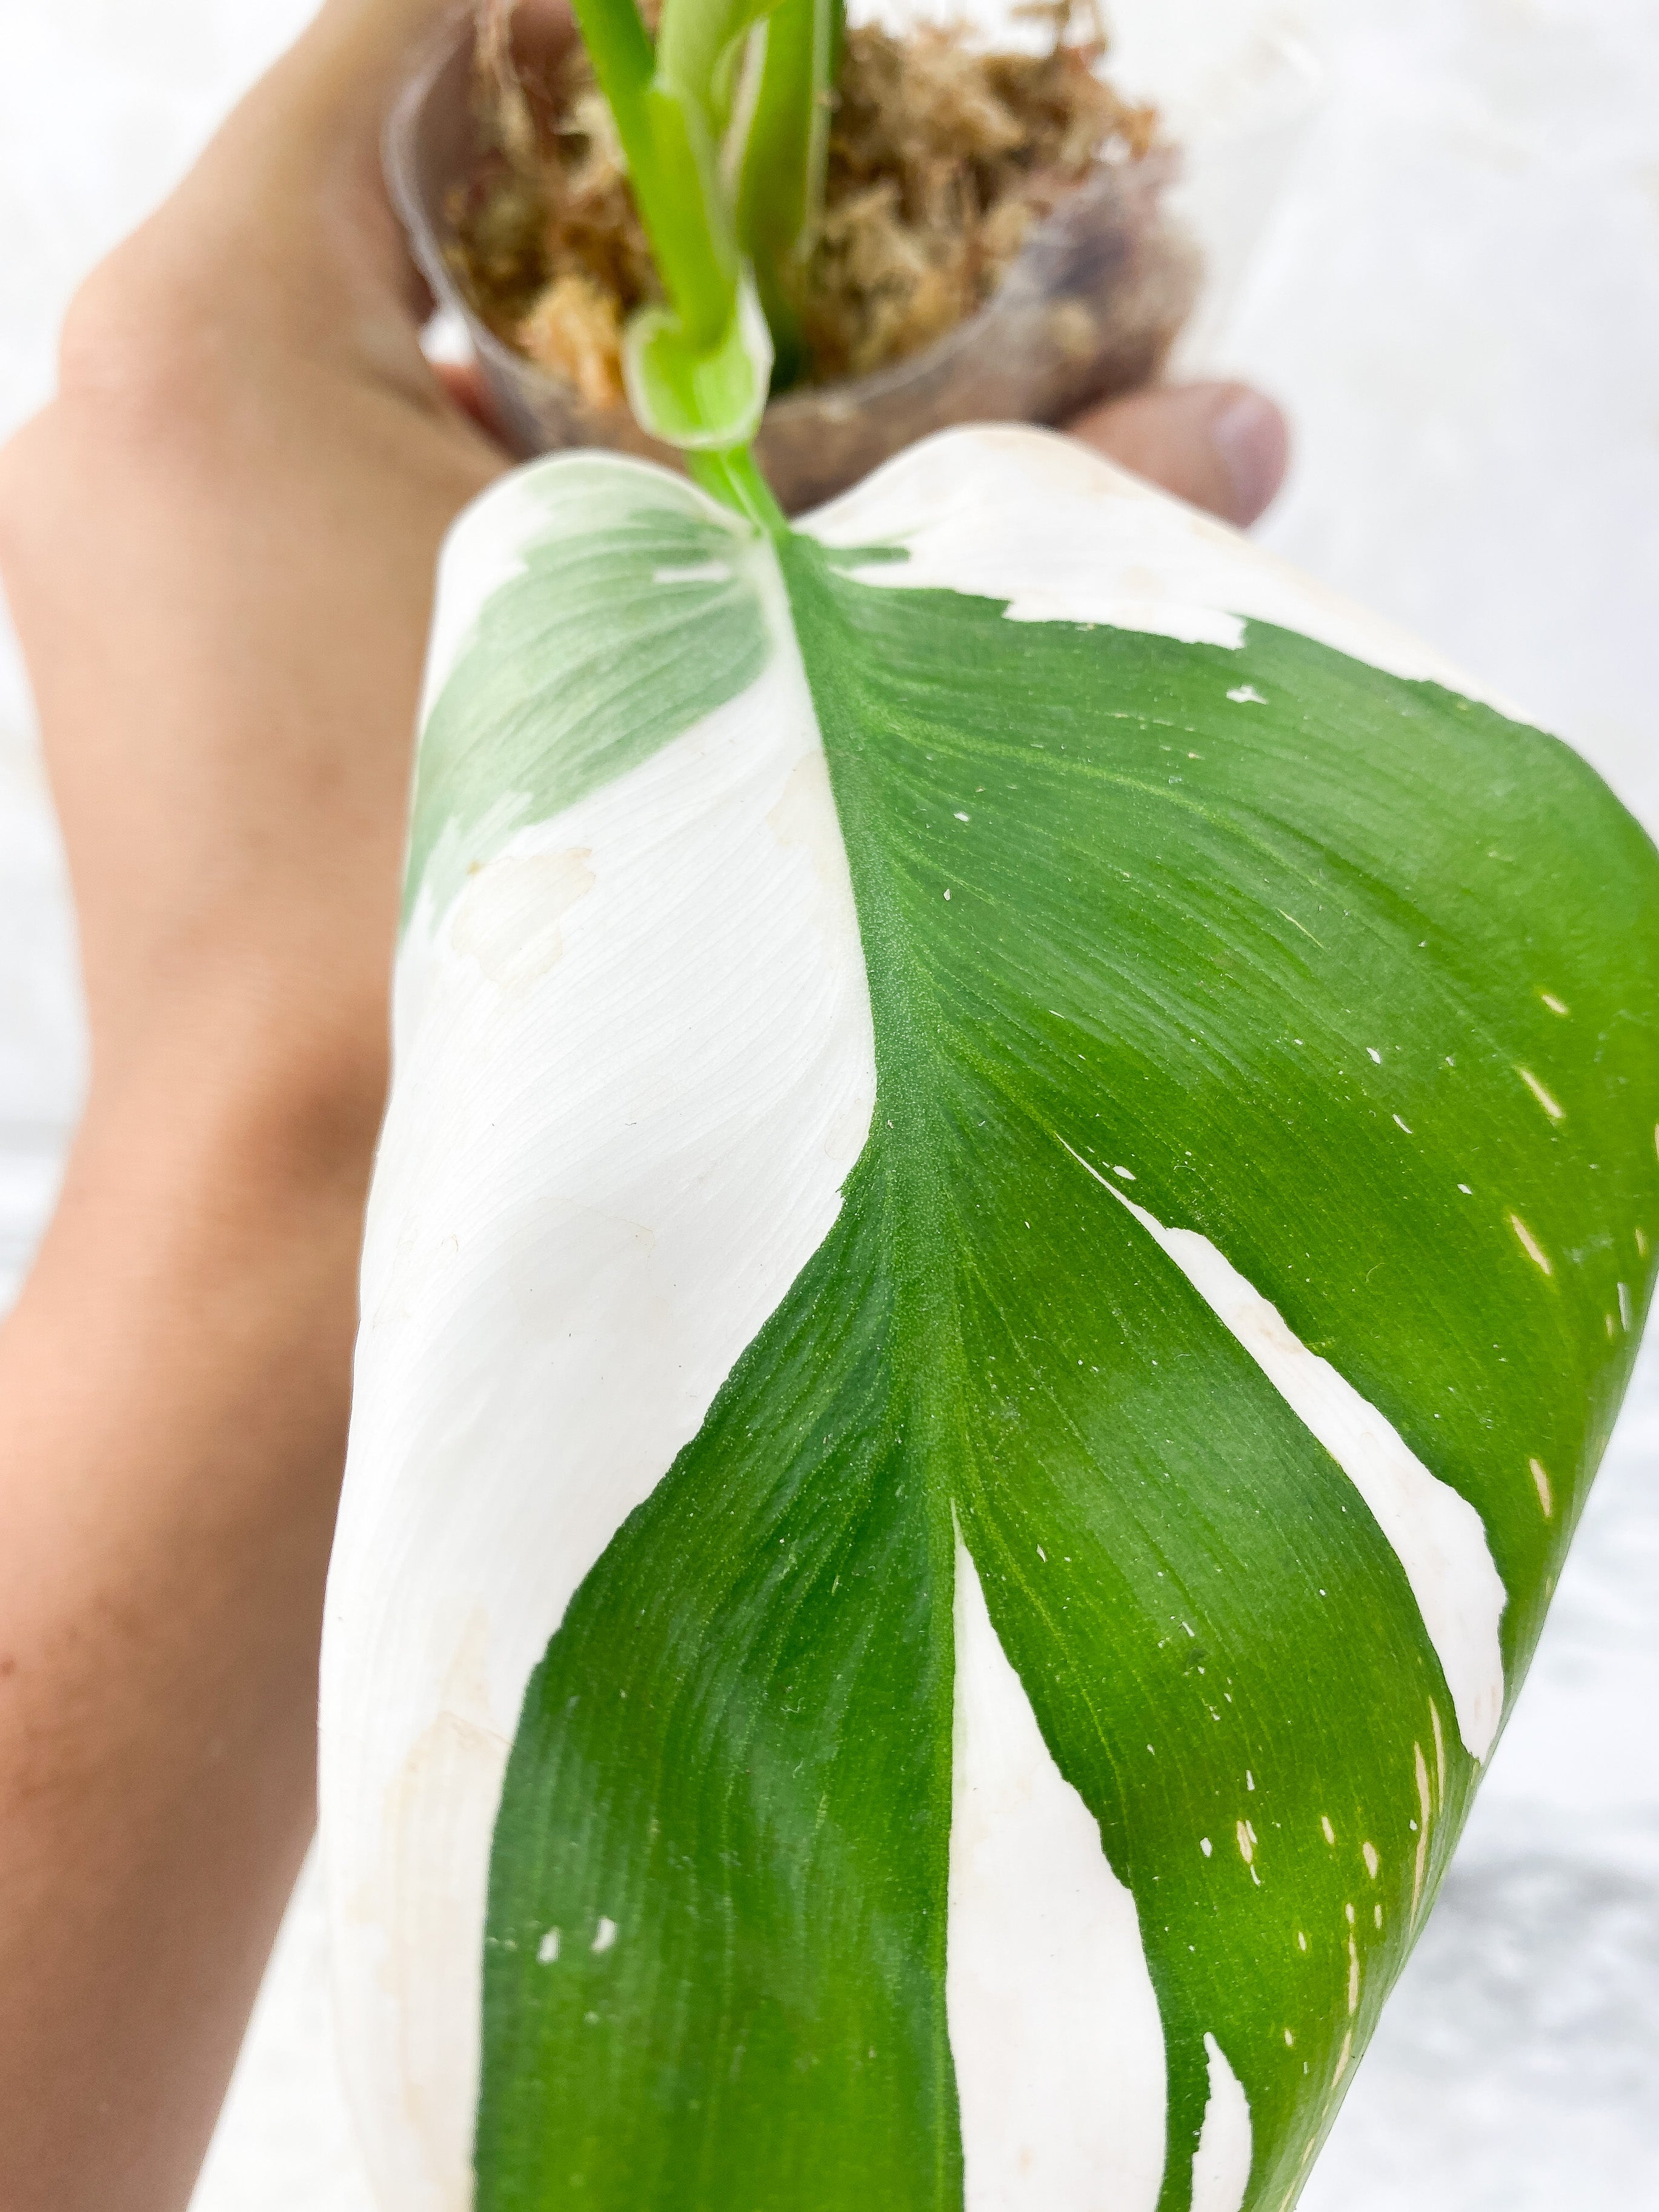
634 614
1296 962
736 1756
1304 952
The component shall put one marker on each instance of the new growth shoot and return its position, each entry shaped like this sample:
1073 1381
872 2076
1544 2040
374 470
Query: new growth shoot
723 123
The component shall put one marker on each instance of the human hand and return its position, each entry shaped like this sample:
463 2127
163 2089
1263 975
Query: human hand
218 542
1219 445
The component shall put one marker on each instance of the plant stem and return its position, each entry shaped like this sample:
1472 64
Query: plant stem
733 477
677 195
694 42
685 216
698 372
619 46
781 187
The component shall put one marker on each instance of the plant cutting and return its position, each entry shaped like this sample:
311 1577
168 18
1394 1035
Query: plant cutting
971 234
1019 1191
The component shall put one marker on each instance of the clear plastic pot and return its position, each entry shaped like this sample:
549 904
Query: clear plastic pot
1092 306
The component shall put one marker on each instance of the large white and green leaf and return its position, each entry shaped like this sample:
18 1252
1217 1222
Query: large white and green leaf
1017 1202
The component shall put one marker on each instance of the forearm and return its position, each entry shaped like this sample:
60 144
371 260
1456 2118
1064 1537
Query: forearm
174 1390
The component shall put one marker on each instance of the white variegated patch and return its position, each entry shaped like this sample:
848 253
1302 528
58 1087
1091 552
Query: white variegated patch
1221 2165
634 1066
1054 2022
1063 536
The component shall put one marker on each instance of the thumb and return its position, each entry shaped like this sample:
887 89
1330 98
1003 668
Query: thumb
1220 447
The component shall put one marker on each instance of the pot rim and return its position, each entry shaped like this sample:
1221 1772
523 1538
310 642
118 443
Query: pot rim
1158 168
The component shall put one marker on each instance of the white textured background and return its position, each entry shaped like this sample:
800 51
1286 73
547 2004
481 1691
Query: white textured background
1459 301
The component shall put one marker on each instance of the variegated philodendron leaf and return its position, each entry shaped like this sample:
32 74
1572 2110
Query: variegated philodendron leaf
1018 1198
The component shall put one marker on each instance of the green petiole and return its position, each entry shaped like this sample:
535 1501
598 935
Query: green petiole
733 477
781 185
699 370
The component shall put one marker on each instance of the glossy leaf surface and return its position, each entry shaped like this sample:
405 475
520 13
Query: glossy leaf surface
1148 1164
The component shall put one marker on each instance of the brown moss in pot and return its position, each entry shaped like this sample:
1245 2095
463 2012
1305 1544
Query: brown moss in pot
993 244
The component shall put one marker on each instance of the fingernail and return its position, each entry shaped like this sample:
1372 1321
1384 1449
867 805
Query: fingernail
1250 439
